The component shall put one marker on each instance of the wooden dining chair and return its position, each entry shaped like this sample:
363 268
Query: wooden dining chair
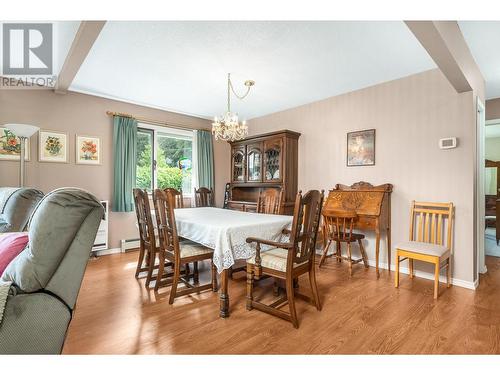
270 201
178 198
227 195
430 239
147 241
204 197
179 253
338 227
288 260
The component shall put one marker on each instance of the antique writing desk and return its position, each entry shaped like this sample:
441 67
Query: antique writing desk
373 206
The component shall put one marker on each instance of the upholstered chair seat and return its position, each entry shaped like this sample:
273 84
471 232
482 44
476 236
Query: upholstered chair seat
192 249
423 248
274 259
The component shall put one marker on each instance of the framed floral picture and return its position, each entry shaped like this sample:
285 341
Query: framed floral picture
10 146
361 148
88 150
53 147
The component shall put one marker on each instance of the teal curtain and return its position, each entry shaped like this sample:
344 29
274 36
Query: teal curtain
125 162
205 159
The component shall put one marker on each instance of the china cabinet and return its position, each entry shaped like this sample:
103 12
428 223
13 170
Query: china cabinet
266 161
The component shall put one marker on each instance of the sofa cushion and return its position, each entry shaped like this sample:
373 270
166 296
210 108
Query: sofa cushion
65 222
16 207
11 244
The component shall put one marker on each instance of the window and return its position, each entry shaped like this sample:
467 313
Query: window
164 158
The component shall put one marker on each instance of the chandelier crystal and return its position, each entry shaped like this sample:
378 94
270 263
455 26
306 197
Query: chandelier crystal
227 127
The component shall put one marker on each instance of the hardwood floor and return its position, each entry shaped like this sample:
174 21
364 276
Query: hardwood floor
115 314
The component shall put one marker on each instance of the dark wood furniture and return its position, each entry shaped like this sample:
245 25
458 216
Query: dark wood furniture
338 227
270 201
203 197
491 210
227 191
178 198
172 250
372 204
288 260
147 241
262 162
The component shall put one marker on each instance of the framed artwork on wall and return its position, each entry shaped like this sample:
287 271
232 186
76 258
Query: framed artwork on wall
10 146
52 147
361 148
88 150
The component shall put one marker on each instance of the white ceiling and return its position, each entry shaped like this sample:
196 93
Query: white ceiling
182 66
483 38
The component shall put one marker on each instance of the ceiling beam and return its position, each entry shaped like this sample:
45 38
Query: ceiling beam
446 45
84 40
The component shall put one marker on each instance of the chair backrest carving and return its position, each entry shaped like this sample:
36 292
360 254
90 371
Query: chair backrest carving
179 199
339 224
204 197
144 220
270 201
305 224
431 223
164 202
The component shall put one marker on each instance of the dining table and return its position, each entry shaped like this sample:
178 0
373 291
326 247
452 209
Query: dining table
225 231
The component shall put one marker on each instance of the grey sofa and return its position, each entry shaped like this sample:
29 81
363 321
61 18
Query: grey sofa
16 207
46 276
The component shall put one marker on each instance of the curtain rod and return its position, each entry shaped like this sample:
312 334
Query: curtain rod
154 122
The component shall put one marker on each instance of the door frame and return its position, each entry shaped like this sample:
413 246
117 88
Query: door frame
480 189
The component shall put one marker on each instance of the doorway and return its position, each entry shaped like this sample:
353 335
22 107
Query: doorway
492 188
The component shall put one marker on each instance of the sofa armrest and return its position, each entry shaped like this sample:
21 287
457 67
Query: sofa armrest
33 323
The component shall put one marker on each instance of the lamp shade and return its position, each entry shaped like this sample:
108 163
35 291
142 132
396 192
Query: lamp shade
22 130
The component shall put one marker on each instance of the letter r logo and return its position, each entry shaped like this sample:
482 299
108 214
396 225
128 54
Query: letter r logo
27 48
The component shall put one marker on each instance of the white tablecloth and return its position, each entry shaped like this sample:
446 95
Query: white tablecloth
226 231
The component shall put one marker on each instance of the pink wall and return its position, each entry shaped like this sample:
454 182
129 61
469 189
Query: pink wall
84 114
410 115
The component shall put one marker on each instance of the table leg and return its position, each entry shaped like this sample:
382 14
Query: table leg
224 296
377 250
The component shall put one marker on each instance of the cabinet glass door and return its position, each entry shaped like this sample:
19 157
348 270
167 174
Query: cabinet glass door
238 165
254 163
272 160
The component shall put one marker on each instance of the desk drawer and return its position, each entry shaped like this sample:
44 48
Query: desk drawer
366 222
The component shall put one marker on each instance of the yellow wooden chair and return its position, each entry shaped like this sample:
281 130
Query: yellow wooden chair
430 225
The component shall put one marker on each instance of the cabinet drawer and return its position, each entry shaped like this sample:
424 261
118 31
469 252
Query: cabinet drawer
236 206
250 208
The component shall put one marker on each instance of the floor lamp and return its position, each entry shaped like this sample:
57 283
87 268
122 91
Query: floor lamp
23 132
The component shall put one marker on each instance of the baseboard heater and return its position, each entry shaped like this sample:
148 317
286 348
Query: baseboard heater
129 244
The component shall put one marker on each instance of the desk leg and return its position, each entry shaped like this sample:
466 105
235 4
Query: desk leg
389 249
377 250
224 296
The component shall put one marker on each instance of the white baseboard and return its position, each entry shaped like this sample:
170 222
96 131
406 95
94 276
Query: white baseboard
99 253
429 276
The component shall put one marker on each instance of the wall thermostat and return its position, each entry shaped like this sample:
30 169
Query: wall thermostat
445 143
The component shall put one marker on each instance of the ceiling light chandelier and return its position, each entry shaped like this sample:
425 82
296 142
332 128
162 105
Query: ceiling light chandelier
228 127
